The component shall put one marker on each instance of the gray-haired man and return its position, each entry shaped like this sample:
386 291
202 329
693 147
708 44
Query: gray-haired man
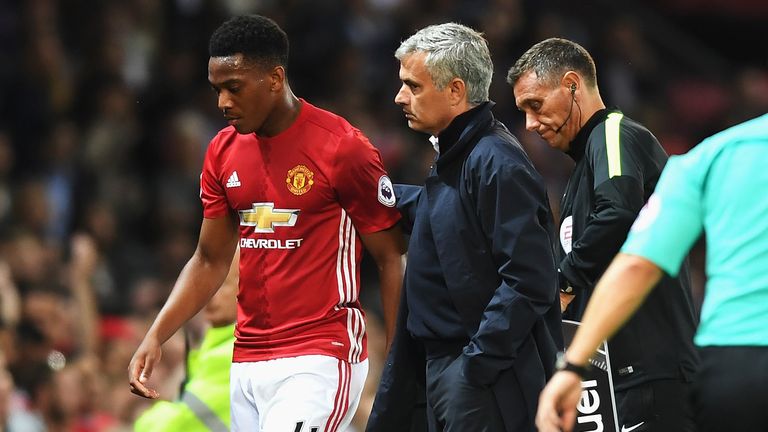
480 323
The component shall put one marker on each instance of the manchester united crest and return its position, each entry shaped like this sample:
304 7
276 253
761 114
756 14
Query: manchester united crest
299 180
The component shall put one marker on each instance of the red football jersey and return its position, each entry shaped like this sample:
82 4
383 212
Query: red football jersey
302 198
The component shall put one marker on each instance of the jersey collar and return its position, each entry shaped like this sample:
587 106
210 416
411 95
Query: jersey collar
579 143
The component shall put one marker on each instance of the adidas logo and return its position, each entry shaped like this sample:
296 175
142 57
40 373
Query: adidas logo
233 180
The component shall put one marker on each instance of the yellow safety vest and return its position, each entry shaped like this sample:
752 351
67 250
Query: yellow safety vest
204 403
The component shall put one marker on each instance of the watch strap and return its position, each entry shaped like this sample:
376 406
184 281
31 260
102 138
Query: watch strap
564 365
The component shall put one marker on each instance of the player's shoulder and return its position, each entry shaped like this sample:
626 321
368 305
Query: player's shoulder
328 121
226 134
226 137
733 139
753 130
347 140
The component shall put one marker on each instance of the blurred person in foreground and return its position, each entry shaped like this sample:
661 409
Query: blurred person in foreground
480 325
618 162
204 401
303 193
714 189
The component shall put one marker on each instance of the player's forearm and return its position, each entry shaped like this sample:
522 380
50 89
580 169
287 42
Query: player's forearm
618 294
196 284
386 248
391 281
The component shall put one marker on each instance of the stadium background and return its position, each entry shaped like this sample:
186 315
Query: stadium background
105 112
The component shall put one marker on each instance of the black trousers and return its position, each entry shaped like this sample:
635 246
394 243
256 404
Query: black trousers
656 406
731 389
454 405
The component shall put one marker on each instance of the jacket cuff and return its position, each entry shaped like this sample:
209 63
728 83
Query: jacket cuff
565 285
479 370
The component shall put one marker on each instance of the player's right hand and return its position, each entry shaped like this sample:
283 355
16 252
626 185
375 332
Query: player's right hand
140 369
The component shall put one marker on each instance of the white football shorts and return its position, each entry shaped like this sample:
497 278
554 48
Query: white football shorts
313 393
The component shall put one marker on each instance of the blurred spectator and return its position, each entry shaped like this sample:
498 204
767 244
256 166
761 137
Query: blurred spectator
6 393
37 410
6 164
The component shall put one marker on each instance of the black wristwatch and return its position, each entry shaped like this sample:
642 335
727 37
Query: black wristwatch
564 365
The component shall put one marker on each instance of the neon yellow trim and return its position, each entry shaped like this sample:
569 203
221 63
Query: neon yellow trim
613 144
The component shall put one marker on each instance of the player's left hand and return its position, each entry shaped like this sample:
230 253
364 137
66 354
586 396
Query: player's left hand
557 403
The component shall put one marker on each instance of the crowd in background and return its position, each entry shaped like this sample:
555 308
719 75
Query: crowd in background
105 113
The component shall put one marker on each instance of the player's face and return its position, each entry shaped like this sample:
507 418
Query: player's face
427 108
546 108
244 92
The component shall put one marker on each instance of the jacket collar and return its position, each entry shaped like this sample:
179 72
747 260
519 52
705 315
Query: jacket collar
457 137
579 143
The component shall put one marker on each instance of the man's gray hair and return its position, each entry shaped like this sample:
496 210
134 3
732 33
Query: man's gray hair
453 51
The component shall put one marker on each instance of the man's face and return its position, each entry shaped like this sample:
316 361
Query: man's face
546 109
243 90
426 107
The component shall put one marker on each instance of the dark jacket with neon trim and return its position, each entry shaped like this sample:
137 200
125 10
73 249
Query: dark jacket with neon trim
489 217
618 163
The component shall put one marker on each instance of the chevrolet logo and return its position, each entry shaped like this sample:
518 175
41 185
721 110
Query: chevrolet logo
265 217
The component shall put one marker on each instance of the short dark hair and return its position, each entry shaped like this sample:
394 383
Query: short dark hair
551 58
257 37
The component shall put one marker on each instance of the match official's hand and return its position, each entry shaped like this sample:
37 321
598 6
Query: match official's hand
557 403
140 369
565 300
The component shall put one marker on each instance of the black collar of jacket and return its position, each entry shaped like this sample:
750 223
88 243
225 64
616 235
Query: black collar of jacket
579 144
456 139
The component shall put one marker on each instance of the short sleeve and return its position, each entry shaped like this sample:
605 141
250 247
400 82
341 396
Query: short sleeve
363 186
672 220
211 191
